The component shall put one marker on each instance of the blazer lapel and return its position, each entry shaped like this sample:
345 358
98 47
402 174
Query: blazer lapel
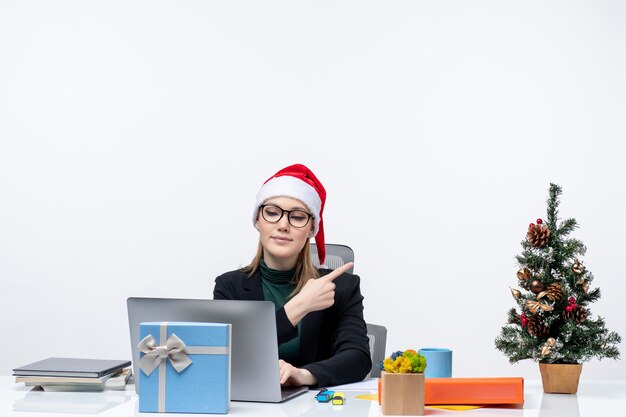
252 288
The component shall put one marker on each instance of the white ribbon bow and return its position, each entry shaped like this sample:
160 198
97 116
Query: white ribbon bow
174 349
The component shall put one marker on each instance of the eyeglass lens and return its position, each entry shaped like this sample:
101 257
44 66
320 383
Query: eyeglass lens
296 218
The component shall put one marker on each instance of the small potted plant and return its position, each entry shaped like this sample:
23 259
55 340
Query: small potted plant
552 323
402 383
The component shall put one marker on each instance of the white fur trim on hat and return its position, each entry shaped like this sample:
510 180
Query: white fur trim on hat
288 186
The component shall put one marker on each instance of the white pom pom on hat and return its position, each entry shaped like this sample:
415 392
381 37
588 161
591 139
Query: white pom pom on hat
299 182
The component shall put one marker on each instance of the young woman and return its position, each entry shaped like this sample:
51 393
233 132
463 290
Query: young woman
322 337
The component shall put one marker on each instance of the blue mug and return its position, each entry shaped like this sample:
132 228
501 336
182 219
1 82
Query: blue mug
438 362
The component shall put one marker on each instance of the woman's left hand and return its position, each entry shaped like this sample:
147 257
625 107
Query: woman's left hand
292 376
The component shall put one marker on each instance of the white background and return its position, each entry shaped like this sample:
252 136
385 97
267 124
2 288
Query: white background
134 136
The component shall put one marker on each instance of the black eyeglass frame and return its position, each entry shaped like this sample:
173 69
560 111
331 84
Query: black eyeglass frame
282 213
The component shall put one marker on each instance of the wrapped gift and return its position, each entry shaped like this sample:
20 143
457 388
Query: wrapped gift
472 391
185 367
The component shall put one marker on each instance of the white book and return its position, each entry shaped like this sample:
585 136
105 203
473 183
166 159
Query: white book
115 382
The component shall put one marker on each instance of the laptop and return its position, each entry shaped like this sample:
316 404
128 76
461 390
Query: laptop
254 361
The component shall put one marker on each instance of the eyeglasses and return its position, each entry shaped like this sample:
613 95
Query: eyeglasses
296 218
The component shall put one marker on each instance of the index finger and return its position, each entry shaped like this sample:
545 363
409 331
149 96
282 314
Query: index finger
334 274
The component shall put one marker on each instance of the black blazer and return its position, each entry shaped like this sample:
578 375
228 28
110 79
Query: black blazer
334 345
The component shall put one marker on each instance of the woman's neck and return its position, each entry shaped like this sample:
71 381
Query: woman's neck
280 264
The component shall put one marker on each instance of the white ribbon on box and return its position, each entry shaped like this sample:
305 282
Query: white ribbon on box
173 349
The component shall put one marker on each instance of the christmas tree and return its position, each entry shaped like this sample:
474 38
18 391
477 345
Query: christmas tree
552 322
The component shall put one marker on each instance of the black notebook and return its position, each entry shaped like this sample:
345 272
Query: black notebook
73 367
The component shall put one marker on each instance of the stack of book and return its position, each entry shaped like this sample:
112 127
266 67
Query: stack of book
73 374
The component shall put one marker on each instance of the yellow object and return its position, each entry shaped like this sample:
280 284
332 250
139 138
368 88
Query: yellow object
338 398
374 397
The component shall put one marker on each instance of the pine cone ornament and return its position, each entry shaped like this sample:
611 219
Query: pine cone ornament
554 292
536 327
579 315
538 235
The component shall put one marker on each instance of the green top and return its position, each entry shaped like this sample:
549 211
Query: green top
277 285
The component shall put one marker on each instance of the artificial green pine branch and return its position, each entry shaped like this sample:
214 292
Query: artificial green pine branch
552 322
567 226
553 205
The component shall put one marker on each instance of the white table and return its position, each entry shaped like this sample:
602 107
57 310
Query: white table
594 398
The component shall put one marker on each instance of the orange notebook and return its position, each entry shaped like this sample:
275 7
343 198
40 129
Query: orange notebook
469 391
472 391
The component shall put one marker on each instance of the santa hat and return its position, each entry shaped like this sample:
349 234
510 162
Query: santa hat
297 181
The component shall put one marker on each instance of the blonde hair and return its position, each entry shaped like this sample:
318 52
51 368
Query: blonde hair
305 269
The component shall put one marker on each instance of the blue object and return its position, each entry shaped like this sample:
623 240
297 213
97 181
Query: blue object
438 362
324 396
202 387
